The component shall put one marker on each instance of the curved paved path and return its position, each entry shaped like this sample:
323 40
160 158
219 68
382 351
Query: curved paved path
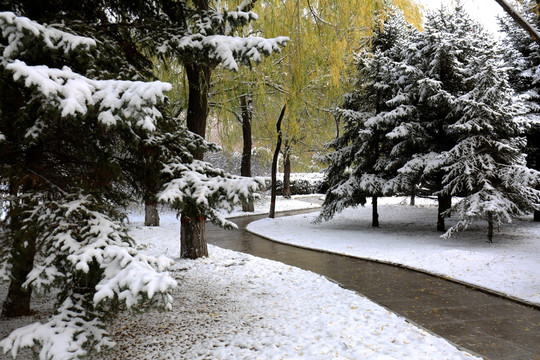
493 327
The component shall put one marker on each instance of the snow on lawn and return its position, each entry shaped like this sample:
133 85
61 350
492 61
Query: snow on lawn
296 202
262 206
237 306
407 237
311 177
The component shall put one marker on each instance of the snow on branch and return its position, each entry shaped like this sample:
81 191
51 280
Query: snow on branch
227 21
80 243
74 93
246 5
88 237
244 16
16 28
63 337
227 50
199 183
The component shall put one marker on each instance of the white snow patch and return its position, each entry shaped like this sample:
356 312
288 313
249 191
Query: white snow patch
236 306
407 237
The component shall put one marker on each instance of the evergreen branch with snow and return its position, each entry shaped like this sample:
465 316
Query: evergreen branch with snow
91 259
197 189
17 30
68 140
222 49
74 94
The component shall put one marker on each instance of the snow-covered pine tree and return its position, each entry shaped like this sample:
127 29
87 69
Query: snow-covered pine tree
209 38
61 130
441 55
487 165
360 166
522 57
68 136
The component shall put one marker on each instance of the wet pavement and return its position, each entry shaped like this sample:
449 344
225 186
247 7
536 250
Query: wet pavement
490 326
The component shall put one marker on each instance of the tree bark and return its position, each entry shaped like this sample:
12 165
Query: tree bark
374 212
522 22
193 235
151 214
490 228
198 83
272 213
23 248
23 252
445 203
193 238
287 172
536 216
246 106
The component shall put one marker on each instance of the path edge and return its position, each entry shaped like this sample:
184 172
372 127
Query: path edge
483 289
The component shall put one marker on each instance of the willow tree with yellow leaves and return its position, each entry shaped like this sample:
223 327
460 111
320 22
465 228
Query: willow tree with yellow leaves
310 75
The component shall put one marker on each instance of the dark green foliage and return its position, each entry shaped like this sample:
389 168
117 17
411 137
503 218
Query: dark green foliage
362 163
434 113
522 57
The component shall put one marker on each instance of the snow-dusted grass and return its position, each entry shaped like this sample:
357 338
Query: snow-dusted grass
262 205
311 177
236 306
407 237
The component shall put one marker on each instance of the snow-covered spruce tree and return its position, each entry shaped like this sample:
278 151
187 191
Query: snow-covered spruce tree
522 57
360 164
209 39
60 131
487 165
442 53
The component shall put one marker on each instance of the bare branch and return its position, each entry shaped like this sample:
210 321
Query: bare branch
316 15
520 20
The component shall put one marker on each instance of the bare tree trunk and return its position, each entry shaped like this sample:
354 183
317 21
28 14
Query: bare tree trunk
193 238
374 212
337 120
151 214
193 235
246 106
490 228
522 22
23 252
536 215
445 203
23 248
197 112
287 172
272 213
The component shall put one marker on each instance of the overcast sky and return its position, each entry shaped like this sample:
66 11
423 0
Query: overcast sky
483 10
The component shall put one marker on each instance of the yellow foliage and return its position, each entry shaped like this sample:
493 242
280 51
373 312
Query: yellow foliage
311 74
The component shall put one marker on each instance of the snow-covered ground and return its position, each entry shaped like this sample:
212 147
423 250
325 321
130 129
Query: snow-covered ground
407 237
236 306
311 177
262 205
